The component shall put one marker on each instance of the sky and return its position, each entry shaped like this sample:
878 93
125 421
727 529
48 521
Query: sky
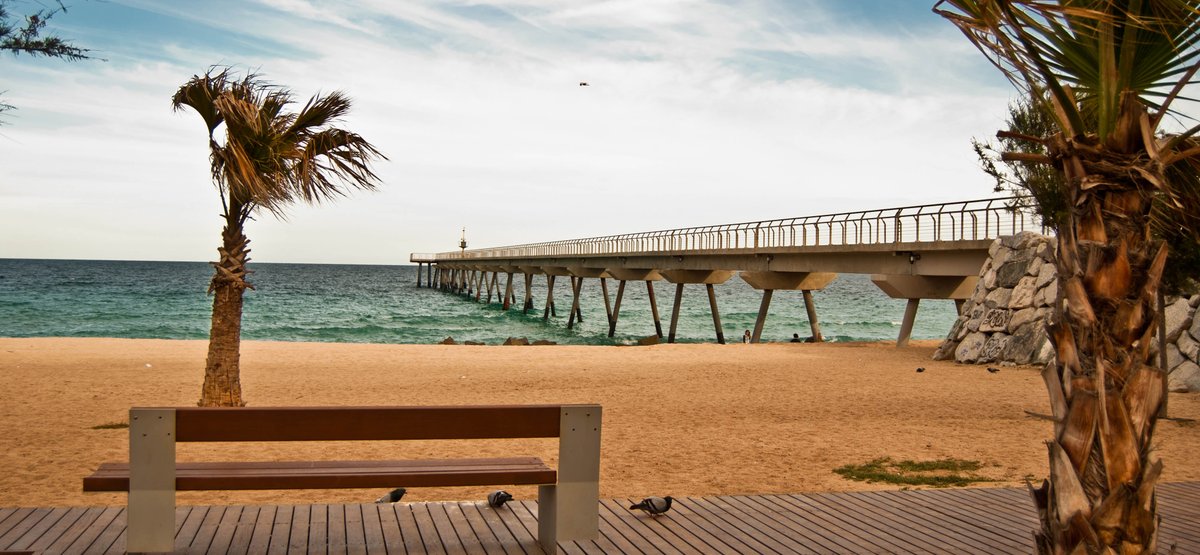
696 113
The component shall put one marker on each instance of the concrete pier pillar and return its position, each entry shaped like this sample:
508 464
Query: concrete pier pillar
708 278
429 274
616 309
528 292
914 288
576 286
811 308
762 315
675 311
654 308
549 297
712 305
508 292
906 326
805 282
420 269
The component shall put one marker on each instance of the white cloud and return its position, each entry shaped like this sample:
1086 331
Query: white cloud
487 128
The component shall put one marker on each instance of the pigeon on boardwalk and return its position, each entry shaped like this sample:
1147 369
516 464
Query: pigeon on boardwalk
497 499
993 369
392 496
654 505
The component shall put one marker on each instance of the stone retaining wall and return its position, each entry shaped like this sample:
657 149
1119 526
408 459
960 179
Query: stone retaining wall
1003 321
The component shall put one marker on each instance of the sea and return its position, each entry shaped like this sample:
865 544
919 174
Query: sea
382 304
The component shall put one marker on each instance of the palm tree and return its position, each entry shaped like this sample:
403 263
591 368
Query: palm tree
270 158
1107 71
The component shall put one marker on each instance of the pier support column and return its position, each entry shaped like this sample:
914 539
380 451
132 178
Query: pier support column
811 308
607 305
675 311
576 286
712 304
906 326
480 282
805 282
654 308
708 278
549 297
616 310
429 275
762 315
528 293
508 292
494 285
915 288
420 269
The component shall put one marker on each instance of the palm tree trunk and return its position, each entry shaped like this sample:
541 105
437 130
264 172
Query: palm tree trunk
1104 389
222 382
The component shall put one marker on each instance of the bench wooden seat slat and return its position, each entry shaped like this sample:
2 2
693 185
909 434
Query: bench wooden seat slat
365 423
200 476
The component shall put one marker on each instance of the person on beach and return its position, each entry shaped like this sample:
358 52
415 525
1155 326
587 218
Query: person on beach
746 337
796 338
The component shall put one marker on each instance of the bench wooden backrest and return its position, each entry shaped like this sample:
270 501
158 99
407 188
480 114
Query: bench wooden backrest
368 423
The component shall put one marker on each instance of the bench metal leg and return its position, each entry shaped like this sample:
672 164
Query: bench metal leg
570 510
151 512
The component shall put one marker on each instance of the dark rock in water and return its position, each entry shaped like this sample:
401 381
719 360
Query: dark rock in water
449 341
516 341
544 342
652 340
474 343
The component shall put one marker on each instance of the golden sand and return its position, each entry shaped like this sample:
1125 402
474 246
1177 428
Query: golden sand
678 419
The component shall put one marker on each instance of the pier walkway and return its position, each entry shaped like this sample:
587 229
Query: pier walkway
984 521
931 251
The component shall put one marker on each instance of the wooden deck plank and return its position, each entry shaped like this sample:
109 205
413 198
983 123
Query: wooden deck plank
374 541
259 540
456 542
910 524
335 529
207 530
429 534
784 524
74 544
226 528
356 532
651 528
614 530
28 519
525 516
35 532
488 516
693 536
299 529
989 513
318 529
468 512
759 532
982 520
820 517
628 525
413 543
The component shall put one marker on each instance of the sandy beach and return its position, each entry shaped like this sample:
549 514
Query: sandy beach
678 419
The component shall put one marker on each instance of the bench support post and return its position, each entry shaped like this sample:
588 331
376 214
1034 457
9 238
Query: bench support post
151 514
570 510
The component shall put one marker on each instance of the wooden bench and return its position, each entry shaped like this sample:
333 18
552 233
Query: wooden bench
568 499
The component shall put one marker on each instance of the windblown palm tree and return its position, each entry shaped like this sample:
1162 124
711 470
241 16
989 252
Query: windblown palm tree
1108 72
270 158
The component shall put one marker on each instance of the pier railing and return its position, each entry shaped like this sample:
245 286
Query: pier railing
968 220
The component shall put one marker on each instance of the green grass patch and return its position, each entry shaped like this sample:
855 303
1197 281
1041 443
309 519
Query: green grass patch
111 426
942 473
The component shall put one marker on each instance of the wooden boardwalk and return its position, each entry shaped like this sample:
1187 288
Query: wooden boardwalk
997 520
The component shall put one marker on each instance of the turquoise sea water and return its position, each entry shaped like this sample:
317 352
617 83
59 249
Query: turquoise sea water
382 304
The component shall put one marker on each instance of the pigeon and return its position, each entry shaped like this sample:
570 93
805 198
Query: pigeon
654 505
498 498
392 496
920 369
993 369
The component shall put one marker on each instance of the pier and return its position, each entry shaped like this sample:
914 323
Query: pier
930 251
